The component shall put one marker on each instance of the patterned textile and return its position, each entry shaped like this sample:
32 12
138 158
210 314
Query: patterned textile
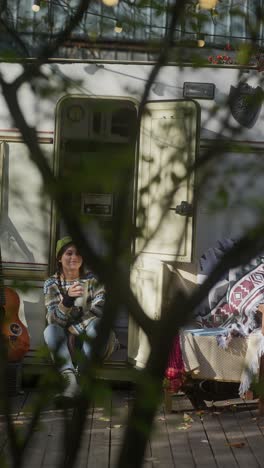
233 302
232 305
77 317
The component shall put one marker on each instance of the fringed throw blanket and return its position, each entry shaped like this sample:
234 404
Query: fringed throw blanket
233 305
233 302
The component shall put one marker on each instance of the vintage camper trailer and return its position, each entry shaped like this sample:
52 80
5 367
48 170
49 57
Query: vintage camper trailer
91 122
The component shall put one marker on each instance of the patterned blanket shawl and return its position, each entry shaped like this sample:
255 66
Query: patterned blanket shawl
233 302
232 305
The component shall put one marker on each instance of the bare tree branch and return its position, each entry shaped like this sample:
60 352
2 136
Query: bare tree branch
177 9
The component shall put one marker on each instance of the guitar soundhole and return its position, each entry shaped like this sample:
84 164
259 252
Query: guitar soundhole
15 329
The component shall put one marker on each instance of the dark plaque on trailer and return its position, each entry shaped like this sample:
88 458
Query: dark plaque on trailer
98 204
245 103
198 90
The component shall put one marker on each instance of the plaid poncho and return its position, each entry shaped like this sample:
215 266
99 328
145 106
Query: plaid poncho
74 318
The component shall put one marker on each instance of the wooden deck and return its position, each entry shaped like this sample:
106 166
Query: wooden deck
228 434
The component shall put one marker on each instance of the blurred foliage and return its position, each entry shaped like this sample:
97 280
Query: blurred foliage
220 186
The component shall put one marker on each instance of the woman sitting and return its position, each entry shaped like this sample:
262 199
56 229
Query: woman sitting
74 302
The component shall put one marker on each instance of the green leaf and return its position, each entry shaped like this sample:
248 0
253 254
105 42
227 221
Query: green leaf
244 54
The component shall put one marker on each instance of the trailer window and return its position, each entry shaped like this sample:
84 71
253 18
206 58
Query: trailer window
97 122
95 141
120 123
25 210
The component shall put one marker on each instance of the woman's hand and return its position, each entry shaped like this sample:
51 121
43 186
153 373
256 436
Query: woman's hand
76 290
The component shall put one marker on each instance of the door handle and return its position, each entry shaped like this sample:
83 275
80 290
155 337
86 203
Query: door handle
184 209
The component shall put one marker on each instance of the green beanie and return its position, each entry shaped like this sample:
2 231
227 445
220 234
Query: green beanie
61 243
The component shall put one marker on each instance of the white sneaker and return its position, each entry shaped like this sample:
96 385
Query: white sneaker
72 388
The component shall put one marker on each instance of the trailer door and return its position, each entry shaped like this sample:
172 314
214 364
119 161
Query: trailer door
164 210
95 150
168 142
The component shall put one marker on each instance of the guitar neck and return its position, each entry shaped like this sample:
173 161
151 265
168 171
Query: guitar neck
2 287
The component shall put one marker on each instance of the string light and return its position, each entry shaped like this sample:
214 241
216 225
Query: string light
200 40
201 3
118 27
207 4
110 2
188 33
36 6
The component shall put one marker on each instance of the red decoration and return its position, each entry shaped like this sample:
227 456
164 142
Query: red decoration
220 59
228 47
171 373
175 372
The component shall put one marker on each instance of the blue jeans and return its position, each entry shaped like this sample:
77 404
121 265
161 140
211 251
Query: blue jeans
56 338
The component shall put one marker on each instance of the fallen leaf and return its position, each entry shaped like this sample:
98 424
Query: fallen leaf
187 418
151 459
183 427
237 444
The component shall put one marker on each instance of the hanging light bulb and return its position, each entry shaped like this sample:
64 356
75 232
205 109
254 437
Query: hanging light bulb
110 2
207 4
118 27
36 6
200 40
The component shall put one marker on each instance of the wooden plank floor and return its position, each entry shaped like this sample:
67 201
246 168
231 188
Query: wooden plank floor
228 434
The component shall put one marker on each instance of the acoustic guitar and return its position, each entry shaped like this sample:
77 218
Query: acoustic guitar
12 328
